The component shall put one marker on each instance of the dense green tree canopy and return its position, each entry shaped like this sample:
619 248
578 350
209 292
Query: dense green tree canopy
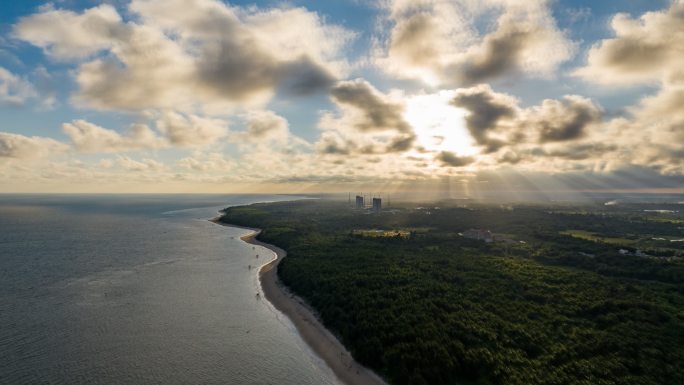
544 307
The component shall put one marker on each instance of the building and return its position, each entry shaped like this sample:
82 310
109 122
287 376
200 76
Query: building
377 204
359 202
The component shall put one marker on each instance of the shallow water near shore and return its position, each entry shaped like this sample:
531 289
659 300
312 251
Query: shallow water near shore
138 289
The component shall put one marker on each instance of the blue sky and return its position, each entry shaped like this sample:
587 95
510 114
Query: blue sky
90 95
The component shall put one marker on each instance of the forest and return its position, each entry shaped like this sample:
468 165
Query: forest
601 304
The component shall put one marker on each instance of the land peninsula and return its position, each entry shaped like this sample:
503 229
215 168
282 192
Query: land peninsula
561 295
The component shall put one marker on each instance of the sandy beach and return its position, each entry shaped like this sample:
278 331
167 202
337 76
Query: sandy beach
312 331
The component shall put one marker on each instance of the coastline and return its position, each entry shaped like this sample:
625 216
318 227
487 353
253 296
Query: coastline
323 343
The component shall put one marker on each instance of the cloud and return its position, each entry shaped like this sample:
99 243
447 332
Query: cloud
655 131
449 159
367 122
341 142
20 147
14 91
645 49
565 130
181 64
189 55
486 109
579 15
106 163
172 129
267 125
268 136
562 120
67 35
143 165
580 151
413 40
214 162
498 54
438 42
191 130
496 120
45 86
268 142
401 143
88 137
375 111
663 113
333 143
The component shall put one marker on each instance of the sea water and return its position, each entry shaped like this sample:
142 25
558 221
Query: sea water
113 289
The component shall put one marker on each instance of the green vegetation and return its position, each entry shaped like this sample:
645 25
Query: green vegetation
381 233
596 238
436 308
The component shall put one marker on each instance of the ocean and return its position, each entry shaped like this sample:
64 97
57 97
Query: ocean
114 289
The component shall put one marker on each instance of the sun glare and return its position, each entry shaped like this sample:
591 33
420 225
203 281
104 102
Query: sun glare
439 126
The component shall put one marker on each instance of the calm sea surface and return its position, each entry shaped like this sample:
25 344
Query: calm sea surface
138 289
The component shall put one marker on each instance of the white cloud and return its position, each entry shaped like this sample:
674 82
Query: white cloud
69 35
20 147
88 137
210 163
14 91
141 165
267 125
191 130
645 49
172 129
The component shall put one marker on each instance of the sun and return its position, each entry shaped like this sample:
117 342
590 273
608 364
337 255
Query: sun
439 126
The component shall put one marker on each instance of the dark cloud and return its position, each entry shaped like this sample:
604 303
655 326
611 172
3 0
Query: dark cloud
239 70
564 120
449 159
332 145
401 143
304 76
510 157
413 40
378 113
236 69
495 120
334 178
450 43
500 54
633 54
485 109
580 151
369 123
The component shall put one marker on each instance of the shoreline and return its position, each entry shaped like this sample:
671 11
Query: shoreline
321 341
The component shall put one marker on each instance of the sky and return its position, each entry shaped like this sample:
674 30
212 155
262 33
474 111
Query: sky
461 96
